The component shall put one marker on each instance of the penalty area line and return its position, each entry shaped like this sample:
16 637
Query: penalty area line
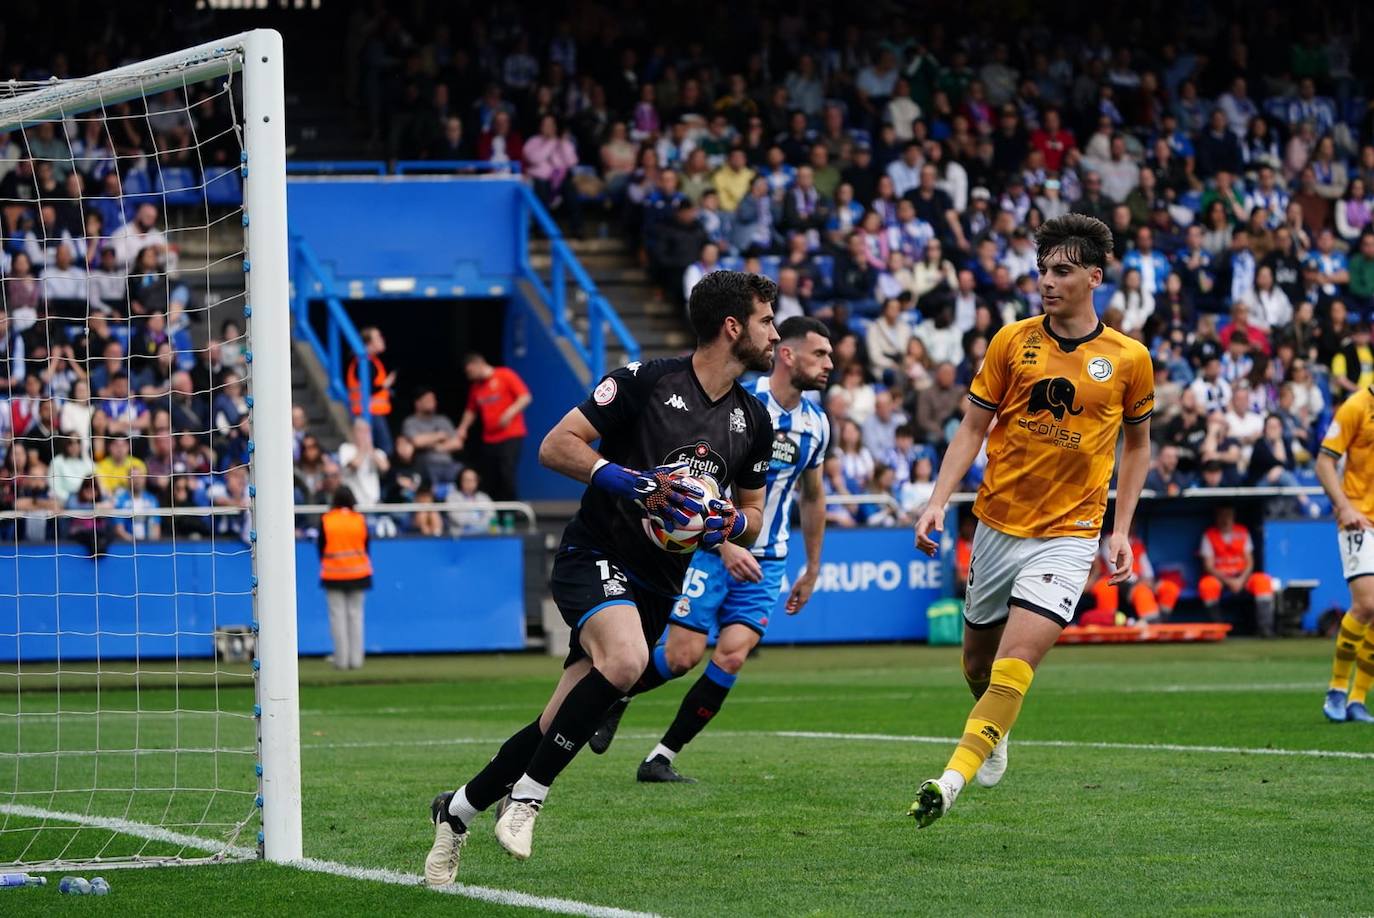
377 875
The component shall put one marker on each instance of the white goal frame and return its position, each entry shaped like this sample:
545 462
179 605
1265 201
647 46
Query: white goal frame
257 55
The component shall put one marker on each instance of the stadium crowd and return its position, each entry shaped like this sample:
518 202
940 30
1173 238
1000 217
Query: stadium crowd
890 175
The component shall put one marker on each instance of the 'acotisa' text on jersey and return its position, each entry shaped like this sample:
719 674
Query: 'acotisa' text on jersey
801 438
656 413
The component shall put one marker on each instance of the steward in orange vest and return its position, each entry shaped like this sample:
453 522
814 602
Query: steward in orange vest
344 564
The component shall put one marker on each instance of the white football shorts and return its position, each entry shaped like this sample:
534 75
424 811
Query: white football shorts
1357 553
1046 576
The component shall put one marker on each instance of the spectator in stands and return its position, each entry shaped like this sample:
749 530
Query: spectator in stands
113 471
706 264
676 244
1244 424
1268 307
477 517
129 240
68 470
139 525
550 159
1227 554
380 388
500 142
404 479
1165 477
363 464
1354 212
1360 291
434 438
756 222
887 338
1352 367
1135 304
90 532
880 428
499 397
938 405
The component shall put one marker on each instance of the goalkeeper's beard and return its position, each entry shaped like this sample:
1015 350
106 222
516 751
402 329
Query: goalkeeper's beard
758 359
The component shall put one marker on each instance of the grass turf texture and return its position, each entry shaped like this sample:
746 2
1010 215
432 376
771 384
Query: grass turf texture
797 826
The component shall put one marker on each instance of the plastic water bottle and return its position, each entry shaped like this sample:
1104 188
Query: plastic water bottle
74 886
21 879
99 887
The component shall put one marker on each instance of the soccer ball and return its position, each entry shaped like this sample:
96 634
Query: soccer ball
682 540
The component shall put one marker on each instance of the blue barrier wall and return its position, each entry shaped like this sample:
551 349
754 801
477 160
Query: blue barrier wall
428 595
533 353
1307 550
469 230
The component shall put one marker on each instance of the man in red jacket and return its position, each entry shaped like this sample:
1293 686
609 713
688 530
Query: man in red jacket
499 396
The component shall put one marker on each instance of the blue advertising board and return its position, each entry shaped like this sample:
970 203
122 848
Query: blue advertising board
873 586
429 595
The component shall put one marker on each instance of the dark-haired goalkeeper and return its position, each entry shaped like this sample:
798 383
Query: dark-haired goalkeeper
735 591
613 585
1060 386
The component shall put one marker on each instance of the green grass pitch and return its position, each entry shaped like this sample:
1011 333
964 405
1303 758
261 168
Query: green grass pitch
792 825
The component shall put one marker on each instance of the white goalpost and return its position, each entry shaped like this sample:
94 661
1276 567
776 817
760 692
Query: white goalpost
148 674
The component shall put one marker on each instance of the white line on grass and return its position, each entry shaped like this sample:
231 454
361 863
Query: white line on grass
898 738
376 875
1072 744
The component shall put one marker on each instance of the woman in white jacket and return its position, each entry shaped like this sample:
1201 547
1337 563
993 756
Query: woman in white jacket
1270 307
1135 303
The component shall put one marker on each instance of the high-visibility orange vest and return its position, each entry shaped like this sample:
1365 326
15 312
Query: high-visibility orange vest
380 400
344 533
1228 552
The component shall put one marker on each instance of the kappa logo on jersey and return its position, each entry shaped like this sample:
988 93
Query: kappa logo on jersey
1100 369
700 459
675 401
1055 395
604 393
737 424
633 367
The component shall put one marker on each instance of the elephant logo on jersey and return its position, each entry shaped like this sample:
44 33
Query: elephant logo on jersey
1055 395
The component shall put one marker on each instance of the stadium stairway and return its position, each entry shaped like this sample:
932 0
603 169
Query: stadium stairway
658 325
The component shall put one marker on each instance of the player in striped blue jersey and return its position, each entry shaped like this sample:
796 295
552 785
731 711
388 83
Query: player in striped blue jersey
735 590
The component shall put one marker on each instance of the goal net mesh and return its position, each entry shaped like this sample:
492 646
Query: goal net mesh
127 681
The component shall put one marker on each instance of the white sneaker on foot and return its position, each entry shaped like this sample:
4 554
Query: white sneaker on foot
994 766
515 827
441 866
933 801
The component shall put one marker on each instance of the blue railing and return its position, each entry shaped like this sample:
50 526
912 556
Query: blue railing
562 267
310 282
412 166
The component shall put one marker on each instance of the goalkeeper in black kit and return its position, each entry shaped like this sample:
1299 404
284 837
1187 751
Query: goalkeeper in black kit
613 585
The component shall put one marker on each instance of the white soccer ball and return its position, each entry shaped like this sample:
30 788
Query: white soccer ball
684 539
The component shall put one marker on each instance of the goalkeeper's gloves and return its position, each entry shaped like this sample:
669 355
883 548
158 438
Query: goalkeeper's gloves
725 522
672 500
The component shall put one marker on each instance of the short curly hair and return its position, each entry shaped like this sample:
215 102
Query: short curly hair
1085 241
722 294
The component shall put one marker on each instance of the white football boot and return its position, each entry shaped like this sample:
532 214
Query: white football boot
933 801
995 765
441 866
515 827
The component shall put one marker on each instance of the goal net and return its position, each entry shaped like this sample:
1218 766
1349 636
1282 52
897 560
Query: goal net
147 614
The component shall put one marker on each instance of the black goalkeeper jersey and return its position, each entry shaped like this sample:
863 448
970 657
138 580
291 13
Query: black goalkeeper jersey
656 413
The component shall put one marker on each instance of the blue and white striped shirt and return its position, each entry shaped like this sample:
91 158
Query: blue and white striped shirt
800 439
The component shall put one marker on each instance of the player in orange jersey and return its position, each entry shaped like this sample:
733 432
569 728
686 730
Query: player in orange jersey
1060 387
1351 436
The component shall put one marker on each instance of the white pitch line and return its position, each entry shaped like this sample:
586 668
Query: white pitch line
1073 744
896 738
312 865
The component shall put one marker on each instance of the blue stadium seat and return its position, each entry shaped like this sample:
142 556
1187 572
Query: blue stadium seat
770 265
731 263
138 189
825 268
179 187
222 186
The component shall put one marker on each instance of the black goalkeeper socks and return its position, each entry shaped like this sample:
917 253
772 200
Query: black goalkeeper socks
577 719
505 768
703 701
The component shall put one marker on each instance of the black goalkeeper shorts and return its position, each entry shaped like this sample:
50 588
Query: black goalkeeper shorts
584 581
